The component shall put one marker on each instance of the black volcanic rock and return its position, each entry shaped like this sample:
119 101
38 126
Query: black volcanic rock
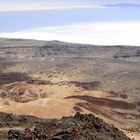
79 127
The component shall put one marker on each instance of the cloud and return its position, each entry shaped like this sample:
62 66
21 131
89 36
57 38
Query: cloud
44 6
109 33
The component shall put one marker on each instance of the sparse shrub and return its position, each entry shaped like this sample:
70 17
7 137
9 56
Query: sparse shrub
43 95
6 103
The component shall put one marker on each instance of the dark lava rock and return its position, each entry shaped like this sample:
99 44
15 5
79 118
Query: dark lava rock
79 127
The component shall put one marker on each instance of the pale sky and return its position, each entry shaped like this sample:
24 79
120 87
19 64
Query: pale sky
26 5
41 6
15 5
114 22
69 1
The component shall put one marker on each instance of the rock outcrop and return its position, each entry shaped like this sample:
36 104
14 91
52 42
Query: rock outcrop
78 127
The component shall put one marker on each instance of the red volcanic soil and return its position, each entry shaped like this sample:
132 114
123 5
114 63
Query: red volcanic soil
105 102
129 115
96 110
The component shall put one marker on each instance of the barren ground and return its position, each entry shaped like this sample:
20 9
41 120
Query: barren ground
55 79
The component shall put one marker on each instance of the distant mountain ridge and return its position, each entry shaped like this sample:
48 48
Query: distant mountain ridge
123 5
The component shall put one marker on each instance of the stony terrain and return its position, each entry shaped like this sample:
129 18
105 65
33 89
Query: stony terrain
55 79
79 127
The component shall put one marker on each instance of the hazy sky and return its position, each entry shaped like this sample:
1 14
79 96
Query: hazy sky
25 14
77 1
26 5
78 19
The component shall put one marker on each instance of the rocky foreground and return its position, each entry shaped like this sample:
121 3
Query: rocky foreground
78 127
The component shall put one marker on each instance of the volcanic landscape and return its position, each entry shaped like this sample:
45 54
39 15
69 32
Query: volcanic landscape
53 79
